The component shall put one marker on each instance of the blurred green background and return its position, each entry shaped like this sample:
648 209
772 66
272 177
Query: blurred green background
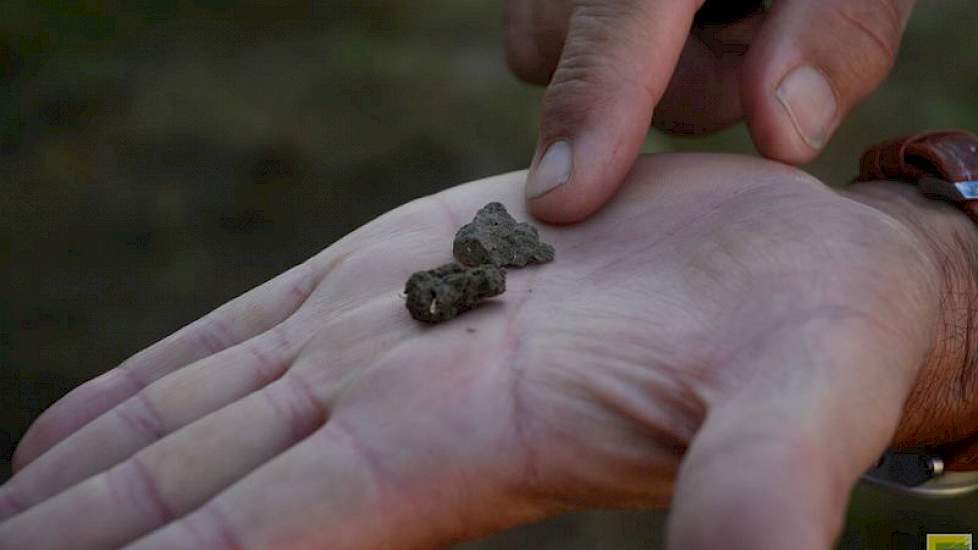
159 158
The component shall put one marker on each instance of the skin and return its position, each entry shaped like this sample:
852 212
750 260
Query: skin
610 64
729 336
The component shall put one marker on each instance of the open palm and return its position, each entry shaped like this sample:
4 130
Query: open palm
747 333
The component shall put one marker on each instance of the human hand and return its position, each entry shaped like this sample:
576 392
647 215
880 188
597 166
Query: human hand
727 320
610 63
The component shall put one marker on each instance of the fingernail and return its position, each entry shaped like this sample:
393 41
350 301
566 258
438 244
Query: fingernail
810 103
553 170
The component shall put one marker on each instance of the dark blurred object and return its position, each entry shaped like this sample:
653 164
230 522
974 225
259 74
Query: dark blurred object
718 12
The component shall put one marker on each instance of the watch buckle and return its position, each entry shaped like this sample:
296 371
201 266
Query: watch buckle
954 191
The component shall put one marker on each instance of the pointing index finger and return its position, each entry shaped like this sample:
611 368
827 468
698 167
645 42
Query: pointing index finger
616 63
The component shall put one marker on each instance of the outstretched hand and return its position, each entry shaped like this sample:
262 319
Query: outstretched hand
728 335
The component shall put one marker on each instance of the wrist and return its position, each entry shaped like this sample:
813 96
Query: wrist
948 234
950 373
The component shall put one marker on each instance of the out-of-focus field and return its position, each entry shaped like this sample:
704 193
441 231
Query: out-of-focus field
159 158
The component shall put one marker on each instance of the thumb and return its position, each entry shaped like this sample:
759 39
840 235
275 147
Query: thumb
811 64
773 466
617 61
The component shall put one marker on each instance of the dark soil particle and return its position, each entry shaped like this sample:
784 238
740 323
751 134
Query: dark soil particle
445 292
483 247
494 237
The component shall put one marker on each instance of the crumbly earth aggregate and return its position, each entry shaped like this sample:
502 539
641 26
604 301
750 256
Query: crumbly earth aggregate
494 237
445 292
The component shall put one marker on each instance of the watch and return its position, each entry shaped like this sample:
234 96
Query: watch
943 165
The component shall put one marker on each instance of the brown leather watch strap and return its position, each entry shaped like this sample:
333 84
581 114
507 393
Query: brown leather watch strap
950 155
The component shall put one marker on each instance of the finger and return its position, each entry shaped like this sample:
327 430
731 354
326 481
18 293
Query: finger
773 466
160 409
396 465
811 64
704 93
614 67
193 392
240 319
534 36
338 489
173 476
319 489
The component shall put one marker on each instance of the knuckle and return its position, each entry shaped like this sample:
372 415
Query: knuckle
877 27
579 75
296 405
599 63
598 23
142 416
597 69
569 97
304 283
213 335
132 484
210 528
603 10
586 82
266 356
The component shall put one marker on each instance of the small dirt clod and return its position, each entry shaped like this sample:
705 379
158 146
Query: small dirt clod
445 292
494 237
